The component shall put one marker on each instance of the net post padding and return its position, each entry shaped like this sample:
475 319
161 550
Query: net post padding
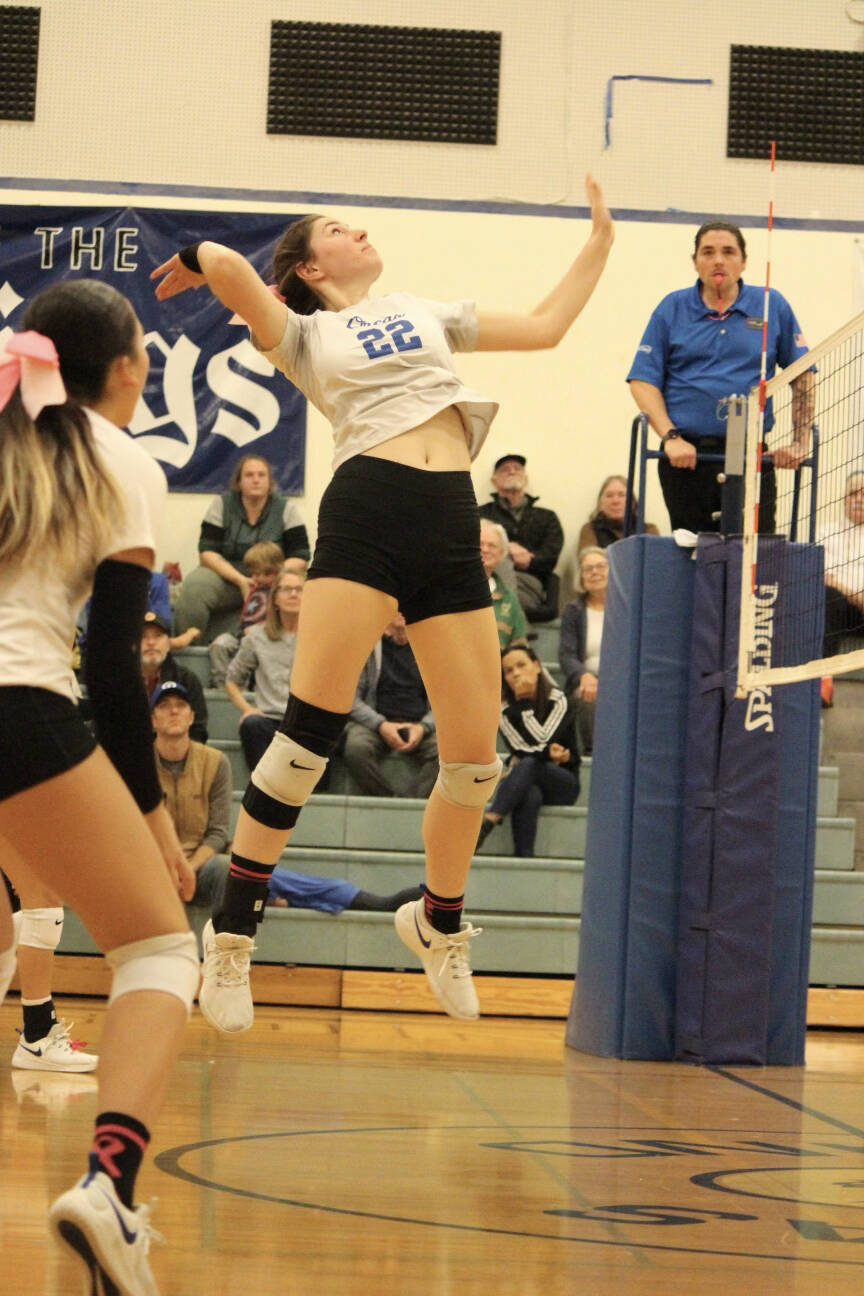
729 839
625 991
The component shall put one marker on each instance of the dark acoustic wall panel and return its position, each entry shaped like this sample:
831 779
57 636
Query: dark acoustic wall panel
19 59
810 101
396 83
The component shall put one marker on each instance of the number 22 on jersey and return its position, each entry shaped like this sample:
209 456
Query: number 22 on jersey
402 338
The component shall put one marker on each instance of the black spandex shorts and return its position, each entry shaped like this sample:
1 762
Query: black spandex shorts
408 532
41 735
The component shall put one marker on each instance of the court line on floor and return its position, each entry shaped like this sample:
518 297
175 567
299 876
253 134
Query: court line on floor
169 1162
787 1102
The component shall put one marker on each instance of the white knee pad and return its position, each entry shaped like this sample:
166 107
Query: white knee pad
168 963
41 928
288 772
467 786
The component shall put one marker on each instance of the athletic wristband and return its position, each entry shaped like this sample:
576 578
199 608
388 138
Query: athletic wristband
189 258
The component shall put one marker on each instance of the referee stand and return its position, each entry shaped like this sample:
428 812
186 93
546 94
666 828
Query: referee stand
699 859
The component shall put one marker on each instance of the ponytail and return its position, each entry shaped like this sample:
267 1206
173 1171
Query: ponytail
57 501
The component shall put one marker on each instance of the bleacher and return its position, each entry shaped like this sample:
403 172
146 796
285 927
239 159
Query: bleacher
529 908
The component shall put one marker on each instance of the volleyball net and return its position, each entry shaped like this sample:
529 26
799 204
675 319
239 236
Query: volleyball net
816 407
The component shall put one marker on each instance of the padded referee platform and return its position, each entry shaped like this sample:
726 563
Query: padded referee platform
625 999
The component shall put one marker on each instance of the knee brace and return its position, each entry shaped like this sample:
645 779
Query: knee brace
168 963
285 777
41 928
467 786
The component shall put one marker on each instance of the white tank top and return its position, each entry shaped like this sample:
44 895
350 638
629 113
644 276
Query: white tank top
39 606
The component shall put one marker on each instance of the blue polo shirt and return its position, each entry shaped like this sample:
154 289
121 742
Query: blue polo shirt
697 357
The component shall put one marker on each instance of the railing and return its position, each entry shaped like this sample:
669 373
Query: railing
731 515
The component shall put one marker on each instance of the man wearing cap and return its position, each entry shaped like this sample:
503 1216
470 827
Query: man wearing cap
535 534
158 667
196 783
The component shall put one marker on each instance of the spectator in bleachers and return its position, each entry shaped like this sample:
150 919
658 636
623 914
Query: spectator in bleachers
581 636
299 566
268 652
263 562
158 602
844 568
251 510
391 711
606 523
538 727
509 617
534 534
158 666
196 781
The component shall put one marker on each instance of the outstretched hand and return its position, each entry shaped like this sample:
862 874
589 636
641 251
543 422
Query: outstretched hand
600 217
177 278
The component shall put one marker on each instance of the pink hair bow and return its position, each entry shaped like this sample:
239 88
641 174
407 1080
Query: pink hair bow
30 359
271 288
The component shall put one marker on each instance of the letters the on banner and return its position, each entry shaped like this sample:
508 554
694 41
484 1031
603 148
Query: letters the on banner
210 396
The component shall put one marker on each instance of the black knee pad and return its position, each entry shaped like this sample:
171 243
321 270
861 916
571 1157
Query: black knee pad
311 726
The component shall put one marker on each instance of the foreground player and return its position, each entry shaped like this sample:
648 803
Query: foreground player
78 504
406 430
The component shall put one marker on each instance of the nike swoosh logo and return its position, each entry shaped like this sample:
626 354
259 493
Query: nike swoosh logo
294 765
57 922
424 943
35 1052
127 1234
486 780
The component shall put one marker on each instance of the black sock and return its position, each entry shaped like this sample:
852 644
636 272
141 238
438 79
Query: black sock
245 897
444 913
119 1143
385 904
38 1019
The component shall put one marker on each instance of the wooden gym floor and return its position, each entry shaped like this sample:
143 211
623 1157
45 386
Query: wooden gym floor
334 1153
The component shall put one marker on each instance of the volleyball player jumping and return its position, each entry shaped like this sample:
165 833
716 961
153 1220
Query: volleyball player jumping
398 528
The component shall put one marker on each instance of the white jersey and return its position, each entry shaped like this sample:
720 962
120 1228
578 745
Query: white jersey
39 606
382 367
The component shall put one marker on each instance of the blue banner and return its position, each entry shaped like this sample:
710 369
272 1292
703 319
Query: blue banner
210 396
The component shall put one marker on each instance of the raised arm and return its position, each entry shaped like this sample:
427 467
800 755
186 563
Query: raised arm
546 325
236 283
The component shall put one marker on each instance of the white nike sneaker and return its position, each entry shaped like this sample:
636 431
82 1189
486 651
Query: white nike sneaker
110 1241
225 997
55 1052
444 958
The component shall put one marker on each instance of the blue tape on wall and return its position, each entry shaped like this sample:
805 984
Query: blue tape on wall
636 77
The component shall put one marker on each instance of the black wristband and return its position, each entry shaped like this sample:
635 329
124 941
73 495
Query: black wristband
672 435
189 258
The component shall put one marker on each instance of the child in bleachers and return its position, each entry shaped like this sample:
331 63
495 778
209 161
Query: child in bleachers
264 563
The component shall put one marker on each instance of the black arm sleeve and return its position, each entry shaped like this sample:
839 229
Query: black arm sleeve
113 675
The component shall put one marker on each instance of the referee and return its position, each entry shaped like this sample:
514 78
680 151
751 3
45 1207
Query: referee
702 344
